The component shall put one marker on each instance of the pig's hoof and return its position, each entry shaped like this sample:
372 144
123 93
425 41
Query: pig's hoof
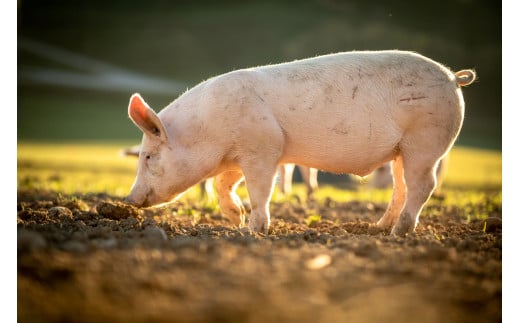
385 222
237 215
404 225
259 224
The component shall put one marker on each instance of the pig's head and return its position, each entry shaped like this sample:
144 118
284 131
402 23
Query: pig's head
159 171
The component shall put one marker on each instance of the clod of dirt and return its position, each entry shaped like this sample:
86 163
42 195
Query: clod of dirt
39 216
116 210
60 213
76 204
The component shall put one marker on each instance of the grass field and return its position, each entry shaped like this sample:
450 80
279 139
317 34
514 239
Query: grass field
100 168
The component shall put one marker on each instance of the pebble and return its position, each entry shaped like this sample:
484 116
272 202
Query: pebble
60 213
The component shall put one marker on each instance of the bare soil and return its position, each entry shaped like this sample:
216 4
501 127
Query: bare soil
90 258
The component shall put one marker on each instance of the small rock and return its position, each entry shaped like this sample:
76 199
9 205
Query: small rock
60 213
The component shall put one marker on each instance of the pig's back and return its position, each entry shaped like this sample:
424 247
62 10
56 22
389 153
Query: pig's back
347 112
343 112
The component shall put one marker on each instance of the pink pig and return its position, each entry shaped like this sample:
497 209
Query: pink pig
348 112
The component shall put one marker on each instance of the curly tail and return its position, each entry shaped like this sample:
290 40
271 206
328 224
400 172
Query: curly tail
465 77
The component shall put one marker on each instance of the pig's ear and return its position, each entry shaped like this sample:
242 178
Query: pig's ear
145 118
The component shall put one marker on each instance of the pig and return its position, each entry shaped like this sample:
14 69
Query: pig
347 112
309 177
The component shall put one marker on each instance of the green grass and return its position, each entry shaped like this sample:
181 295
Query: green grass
100 168
474 168
72 168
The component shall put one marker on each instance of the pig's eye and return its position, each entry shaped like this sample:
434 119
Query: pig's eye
147 156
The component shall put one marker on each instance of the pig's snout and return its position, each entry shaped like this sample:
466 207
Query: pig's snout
148 199
138 199
130 200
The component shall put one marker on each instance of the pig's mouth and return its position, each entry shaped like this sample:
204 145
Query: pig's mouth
150 200
133 202
141 203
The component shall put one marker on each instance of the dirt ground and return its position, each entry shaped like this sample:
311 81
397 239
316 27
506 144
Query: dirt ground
88 259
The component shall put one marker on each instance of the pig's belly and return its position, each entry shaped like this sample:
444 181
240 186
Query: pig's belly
353 148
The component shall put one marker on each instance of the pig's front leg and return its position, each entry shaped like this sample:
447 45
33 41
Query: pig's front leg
230 204
260 181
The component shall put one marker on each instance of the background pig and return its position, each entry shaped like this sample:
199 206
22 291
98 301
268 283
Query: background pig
380 178
346 113
309 177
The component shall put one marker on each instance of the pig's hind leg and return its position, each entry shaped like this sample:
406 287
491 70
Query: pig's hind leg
230 203
398 196
419 175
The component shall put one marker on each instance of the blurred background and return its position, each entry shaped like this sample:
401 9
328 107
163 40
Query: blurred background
79 61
